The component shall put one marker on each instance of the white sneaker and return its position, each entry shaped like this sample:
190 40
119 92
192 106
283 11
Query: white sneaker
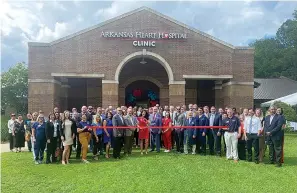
166 151
193 153
86 161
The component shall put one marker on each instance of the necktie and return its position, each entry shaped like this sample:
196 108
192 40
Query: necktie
189 120
251 121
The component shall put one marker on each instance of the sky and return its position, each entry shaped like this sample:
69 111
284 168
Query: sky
237 23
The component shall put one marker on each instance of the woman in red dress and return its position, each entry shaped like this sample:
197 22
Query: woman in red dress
166 132
143 134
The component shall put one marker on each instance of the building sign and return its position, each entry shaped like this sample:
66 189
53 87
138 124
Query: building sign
140 39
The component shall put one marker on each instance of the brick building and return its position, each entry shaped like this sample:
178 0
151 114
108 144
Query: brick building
139 58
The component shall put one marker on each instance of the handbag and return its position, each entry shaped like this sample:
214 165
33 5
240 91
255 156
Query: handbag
28 136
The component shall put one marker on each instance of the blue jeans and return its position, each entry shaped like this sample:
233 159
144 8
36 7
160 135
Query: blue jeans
155 141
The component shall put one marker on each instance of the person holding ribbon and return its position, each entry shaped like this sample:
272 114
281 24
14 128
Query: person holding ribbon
155 120
166 132
190 134
84 132
107 134
97 136
143 131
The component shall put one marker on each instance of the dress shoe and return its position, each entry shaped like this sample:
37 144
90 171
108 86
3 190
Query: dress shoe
257 162
278 165
270 162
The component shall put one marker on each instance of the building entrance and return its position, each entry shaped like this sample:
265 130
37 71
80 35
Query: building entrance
142 93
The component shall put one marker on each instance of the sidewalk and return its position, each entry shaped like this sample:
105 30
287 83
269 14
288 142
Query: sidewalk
5 147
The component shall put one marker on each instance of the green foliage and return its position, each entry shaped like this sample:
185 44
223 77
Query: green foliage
289 112
277 56
4 128
14 88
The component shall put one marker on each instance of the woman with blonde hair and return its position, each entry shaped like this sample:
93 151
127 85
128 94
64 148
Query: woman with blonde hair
97 136
67 135
39 138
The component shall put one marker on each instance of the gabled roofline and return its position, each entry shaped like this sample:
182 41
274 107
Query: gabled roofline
133 12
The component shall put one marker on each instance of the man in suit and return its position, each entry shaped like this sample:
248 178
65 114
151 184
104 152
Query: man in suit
215 119
190 134
172 117
118 133
131 121
201 120
179 120
155 121
273 130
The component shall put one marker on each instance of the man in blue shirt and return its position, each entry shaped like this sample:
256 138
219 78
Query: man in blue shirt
233 132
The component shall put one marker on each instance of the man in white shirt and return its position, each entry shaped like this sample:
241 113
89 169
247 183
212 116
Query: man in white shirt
252 130
10 125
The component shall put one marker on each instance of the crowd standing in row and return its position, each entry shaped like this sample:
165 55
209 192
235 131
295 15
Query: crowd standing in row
61 133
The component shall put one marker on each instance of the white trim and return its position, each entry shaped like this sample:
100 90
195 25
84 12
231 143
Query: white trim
44 81
139 54
177 82
212 77
110 82
136 11
77 75
238 83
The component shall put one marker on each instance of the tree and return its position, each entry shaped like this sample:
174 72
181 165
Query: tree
14 88
289 112
275 57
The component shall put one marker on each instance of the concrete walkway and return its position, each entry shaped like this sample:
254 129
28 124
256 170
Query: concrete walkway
5 147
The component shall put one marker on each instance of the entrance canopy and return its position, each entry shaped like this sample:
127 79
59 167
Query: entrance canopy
289 99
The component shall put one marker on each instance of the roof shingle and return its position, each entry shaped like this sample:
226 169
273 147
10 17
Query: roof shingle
273 88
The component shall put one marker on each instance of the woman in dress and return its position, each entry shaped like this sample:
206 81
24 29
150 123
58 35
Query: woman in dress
241 141
67 135
262 145
97 136
39 138
279 111
143 131
19 133
84 132
166 132
107 134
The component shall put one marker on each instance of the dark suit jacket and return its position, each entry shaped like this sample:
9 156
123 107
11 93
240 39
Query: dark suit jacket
118 122
50 129
217 121
275 128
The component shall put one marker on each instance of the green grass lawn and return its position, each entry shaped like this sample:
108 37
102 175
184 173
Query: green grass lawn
151 173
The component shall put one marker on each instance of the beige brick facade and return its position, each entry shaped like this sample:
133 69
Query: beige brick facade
105 66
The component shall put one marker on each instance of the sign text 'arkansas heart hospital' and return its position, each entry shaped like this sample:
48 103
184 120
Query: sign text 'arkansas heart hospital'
149 39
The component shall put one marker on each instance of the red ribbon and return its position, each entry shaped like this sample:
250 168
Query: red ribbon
159 127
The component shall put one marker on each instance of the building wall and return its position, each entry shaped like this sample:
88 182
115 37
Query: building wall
91 53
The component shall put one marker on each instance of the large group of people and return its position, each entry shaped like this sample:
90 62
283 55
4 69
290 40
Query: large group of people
242 135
